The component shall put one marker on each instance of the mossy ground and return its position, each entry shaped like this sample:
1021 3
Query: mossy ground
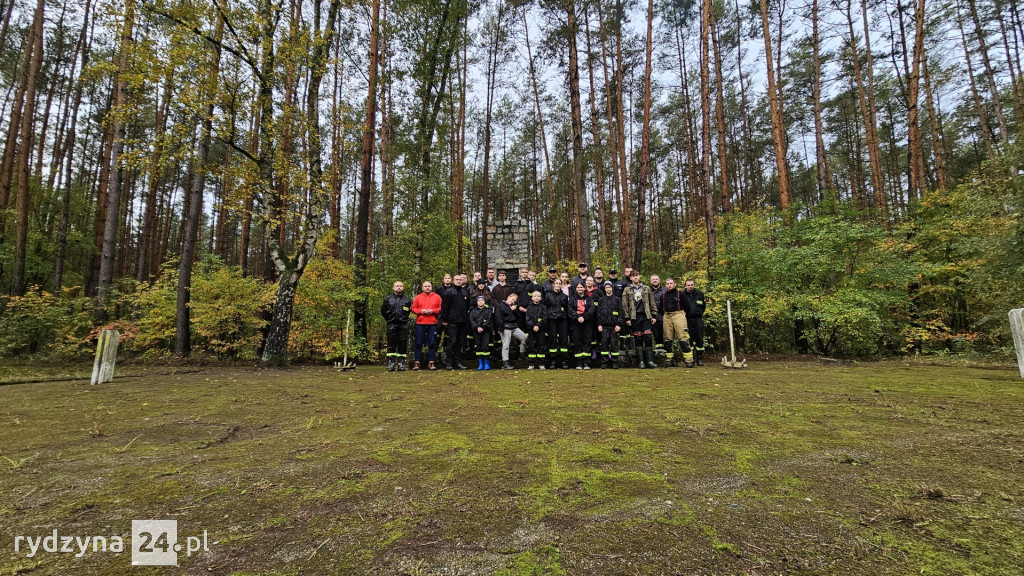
784 467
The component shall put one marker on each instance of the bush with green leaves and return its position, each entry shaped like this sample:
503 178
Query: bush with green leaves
226 311
41 325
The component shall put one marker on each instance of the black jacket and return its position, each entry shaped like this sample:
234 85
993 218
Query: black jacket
658 295
547 287
693 303
557 305
673 301
481 318
619 284
609 311
504 317
526 290
589 309
536 315
396 309
455 305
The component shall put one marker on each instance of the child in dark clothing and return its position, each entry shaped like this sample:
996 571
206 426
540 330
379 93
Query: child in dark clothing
609 324
536 322
481 321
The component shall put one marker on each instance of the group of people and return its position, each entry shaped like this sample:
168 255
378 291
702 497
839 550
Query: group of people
581 320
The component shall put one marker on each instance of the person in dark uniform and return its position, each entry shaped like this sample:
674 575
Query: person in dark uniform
481 321
638 309
581 277
619 285
548 284
658 291
455 320
536 322
396 309
581 316
557 304
609 324
694 306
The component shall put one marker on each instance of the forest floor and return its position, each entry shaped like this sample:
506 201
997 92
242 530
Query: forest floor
782 467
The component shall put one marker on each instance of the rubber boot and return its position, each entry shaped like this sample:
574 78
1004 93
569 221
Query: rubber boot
487 363
640 363
479 364
401 365
391 365
650 358
700 357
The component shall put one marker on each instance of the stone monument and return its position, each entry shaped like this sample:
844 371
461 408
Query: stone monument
1017 327
508 247
106 356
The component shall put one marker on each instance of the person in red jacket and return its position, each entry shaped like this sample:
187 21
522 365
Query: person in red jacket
426 306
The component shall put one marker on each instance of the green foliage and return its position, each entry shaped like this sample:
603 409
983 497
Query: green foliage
226 311
324 296
39 324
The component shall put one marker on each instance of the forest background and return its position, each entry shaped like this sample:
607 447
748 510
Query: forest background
227 178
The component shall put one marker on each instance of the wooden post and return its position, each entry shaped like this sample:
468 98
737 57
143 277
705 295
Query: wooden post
106 356
1017 327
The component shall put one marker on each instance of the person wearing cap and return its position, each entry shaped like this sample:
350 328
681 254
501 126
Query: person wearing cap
694 306
426 306
658 291
396 309
582 277
536 323
455 320
557 304
481 322
674 325
609 324
581 316
619 285
506 324
638 309
547 286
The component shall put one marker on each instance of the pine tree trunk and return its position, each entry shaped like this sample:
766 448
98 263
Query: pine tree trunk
581 204
723 156
820 154
110 229
366 169
778 124
705 109
917 171
34 61
645 144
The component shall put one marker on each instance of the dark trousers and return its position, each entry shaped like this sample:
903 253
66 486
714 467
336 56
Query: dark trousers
658 334
398 335
426 335
581 335
609 344
482 343
535 344
696 328
456 335
558 339
642 332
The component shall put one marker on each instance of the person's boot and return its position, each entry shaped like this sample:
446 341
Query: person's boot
586 364
487 363
615 364
401 365
650 358
531 367
479 364
415 366
391 365
700 357
640 363
506 366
